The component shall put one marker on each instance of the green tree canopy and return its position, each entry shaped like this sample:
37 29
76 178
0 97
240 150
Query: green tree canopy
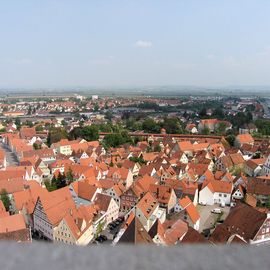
5 199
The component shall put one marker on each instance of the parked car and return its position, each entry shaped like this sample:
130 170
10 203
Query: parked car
121 219
103 237
202 203
216 211
206 232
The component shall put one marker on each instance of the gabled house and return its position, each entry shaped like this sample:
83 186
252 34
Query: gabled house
83 193
189 212
49 211
75 228
108 207
133 232
121 175
238 193
13 228
242 139
245 222
266 167
147 211
168 233
165 196
229 162
216 191
115 192
253 167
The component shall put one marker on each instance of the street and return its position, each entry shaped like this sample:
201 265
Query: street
208 219
266 105
10 156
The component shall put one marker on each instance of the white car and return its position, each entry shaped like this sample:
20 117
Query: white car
202 203
216 211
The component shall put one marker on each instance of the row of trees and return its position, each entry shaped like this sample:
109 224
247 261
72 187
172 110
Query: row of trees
171 125
62 180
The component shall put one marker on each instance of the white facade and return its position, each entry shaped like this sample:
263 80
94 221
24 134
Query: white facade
266 167
206 196
41 222
238 195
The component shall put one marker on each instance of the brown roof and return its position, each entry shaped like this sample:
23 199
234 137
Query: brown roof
23 235
237 159
135 233
193 237
102 201
243 220
174 230
258 186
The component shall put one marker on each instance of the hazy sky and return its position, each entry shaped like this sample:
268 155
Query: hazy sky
129 43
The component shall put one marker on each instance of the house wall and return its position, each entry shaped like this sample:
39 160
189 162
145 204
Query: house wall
65 150
112 212
41 222
206 196
222 198
263 235
63 234
172 202
129 179
86 237
237 195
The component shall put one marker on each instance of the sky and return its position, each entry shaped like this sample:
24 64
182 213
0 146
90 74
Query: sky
122 43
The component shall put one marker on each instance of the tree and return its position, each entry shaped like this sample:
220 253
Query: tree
221 129
149 125
18 123
230 139
116 139
5 199
70 176
57 182
56 134
29 123
29 112
203 112
267 204
64 123
109 115
39 128
51 186
206 131
157 148
96 107
36 146
90 133
218 113
139 160
172 125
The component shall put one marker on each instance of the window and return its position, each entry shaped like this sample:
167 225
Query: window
220 195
